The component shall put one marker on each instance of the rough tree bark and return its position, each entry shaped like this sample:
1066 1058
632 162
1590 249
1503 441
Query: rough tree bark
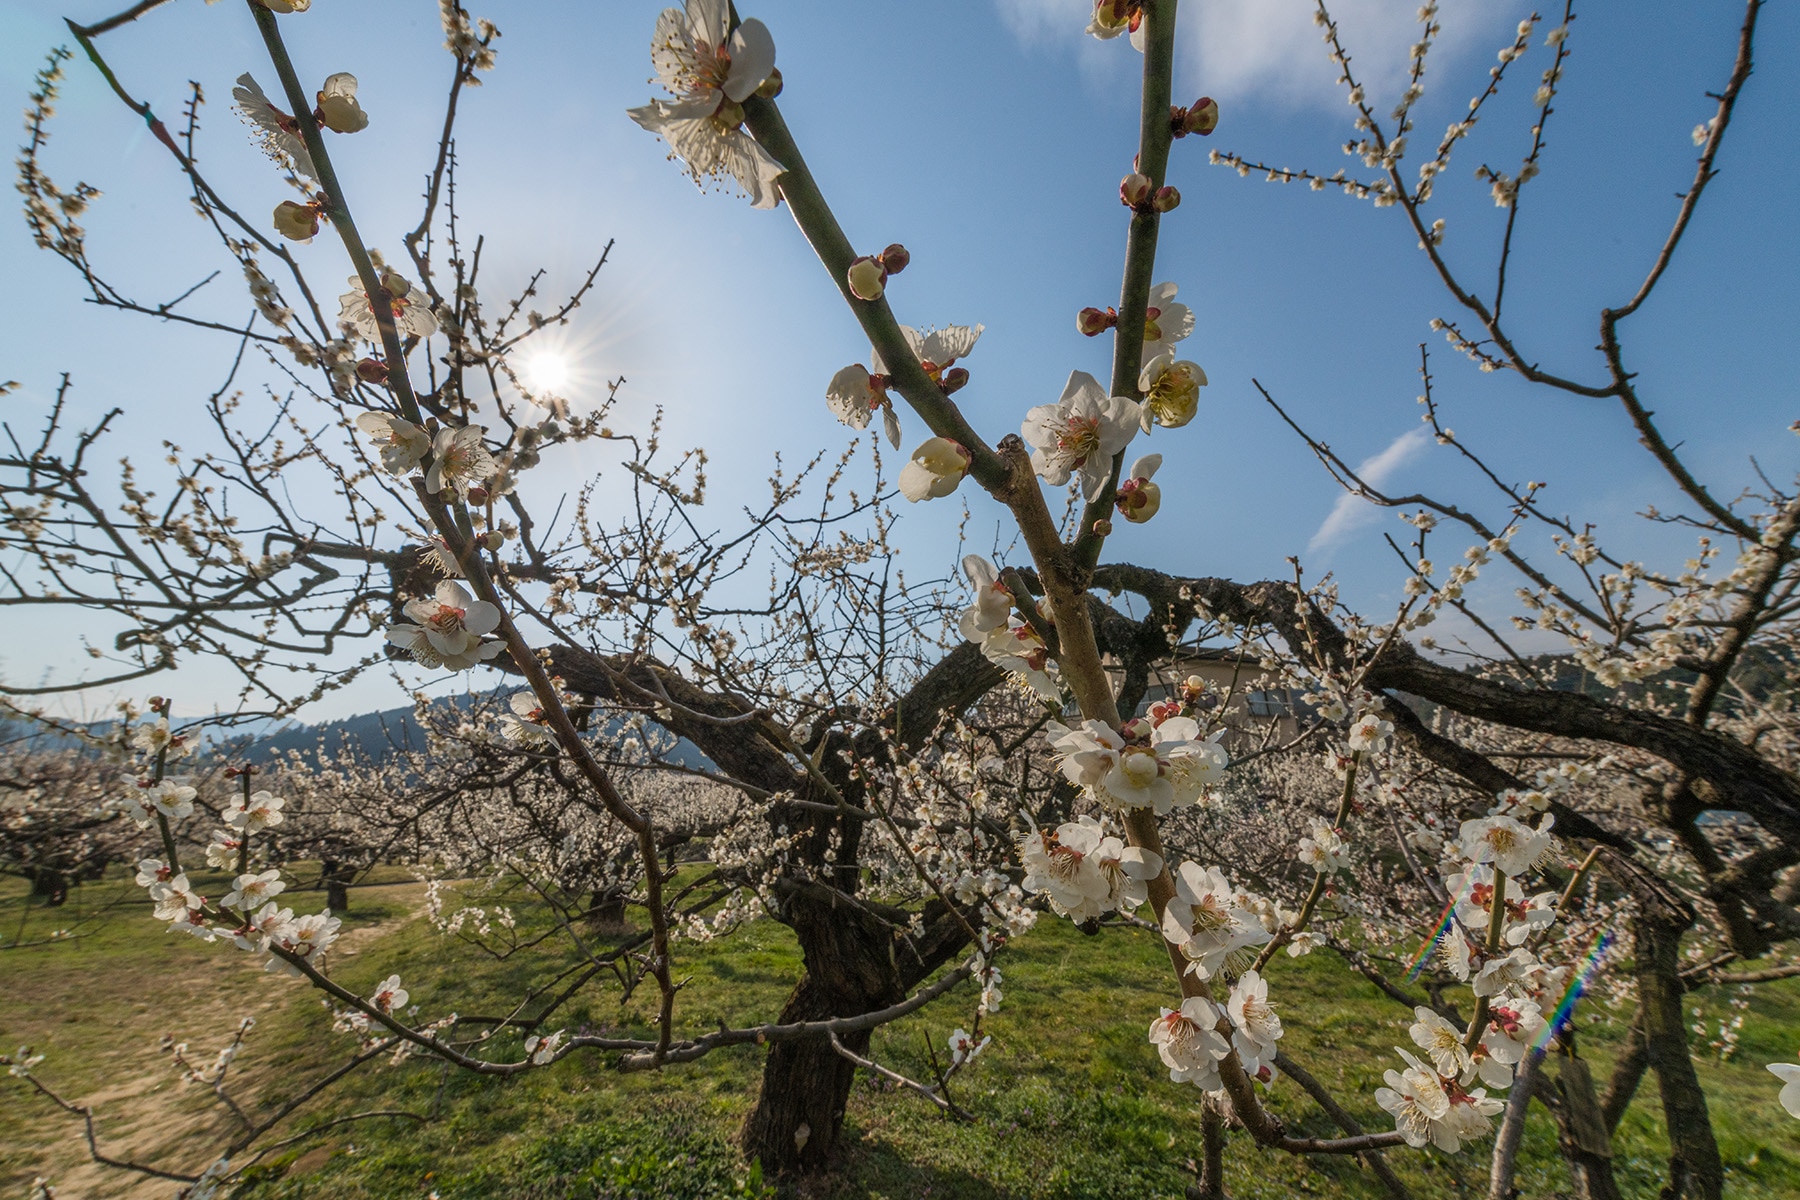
859 955
1662 917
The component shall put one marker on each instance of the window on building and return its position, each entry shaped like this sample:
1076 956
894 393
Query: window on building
1277 703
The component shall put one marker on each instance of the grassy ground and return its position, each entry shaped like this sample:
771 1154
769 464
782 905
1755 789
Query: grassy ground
1070 1099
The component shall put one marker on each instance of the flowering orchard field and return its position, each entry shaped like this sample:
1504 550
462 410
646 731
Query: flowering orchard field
1078 872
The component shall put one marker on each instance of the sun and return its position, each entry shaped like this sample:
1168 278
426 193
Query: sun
547 370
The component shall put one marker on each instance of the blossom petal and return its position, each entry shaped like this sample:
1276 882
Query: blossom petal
752 58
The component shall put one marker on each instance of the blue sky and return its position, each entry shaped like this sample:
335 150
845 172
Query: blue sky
989 136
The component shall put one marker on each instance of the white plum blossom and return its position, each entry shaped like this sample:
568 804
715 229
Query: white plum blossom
172 800
152 871
402 444
936 349
1085 872
1138 498
389 995
1191 764
277 132
964 1047
1189 1043
1303 943
1171 388
449 629
247 891
338 108
1080 433
1137 780
1514 972
526 722
1442 1043
1370 733
1417 1099
270 924
543 1050
262 811
155 737
1513 847
1323 850
411 308
1016 647
993 599
1512 1027
1789 1074
1206 922
711 75
1087 753
1158 767
222 850
1165 322
306 938
935 470
176 899
460 459
1255 1027
1473 891
1113 17
854 394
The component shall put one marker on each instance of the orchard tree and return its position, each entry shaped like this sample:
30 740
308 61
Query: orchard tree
1532 840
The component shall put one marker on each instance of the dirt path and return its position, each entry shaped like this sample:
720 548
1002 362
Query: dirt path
104 1022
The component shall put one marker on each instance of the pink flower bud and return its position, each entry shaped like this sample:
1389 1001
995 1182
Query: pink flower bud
478 494
867 278
1203 117
1093 321
372 370
1102 527
298 222
771 87
895 258
1165 199
1136 729
954 380
1135 190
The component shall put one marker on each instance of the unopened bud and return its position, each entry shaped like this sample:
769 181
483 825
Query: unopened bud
372 370
1136 728
867 278
493 539
954 380
1165 199
1203 117
394 283
1094 321
478 494
1138 500
1102 527
297 222
1113 15
770 87
338 109
1135 190
895 258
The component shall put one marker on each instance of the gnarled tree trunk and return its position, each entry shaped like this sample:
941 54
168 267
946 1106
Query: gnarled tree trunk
799 1112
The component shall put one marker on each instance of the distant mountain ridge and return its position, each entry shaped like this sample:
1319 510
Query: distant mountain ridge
397 730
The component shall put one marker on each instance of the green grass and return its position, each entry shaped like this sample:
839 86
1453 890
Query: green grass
1070 1100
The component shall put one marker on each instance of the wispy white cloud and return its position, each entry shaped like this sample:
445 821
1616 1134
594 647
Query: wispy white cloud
1352 512
1272 49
